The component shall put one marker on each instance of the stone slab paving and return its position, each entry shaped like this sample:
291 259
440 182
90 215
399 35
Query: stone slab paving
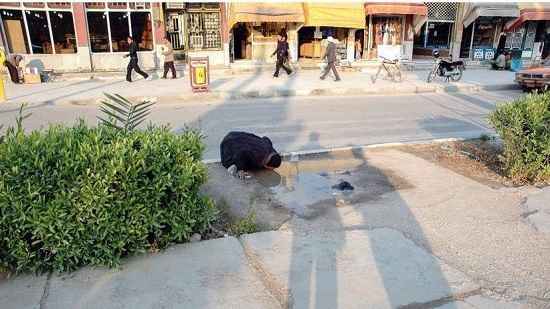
209 274
354 269
482 302
537 210
23 292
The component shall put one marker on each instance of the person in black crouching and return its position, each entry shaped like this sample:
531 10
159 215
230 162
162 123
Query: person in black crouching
242 152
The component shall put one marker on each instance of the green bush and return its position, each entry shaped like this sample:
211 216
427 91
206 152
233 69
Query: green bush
524 126
89 196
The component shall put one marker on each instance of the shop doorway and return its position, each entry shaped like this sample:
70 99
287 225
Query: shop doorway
242 45
466 42
175 32
386 36
359 43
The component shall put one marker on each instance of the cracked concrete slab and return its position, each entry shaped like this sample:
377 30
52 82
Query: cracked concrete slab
537 210
22 292
354 269
208 274
483 302
477 229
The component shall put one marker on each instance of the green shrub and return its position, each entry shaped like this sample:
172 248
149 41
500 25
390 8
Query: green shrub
524 126
77 196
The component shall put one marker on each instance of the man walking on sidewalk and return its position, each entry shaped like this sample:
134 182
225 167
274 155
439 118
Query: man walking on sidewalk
282 55
133 64
330 55
168 54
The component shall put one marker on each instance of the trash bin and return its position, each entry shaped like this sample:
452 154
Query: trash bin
199 73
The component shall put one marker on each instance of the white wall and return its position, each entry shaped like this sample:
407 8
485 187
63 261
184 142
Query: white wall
117 62
60 62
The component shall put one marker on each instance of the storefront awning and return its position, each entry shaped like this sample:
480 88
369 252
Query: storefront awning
529 11
265 12
410 8
344 15
474 10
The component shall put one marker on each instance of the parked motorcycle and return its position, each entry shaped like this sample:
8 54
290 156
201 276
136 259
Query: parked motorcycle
445 69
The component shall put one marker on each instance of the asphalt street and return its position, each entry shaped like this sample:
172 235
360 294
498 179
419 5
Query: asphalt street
307 123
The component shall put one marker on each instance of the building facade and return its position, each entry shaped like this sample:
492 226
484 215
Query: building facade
91 36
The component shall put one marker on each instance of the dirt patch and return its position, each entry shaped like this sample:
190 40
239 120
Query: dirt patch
477 159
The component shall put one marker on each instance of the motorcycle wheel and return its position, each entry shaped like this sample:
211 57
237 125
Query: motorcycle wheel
456 77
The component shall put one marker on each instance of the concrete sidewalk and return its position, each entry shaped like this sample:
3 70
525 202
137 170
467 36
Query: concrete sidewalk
257 85
418 243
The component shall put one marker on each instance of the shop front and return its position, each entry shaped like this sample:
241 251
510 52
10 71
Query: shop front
436 32
195 29
44 34
528 35
391 28
341 21
483 25
255 26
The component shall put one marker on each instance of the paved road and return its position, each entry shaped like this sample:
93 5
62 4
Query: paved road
312 122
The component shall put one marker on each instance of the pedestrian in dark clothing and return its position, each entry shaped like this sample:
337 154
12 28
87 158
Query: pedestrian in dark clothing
282 56
330 55
241 152
133 64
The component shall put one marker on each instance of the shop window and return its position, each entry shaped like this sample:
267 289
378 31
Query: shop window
142 31
387 30
39 32
140 5
95 5
14 26
34 4
530 36
63 32
484 33
14 4
439 35
119 31
270 30
98 30
117 5
514 39
59 5
204 30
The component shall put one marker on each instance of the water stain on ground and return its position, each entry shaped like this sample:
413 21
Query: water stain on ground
306 185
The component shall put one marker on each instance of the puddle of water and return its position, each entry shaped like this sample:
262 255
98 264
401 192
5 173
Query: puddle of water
306 186
298 189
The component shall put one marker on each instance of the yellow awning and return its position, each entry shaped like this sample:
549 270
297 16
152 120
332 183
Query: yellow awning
344 15
265 12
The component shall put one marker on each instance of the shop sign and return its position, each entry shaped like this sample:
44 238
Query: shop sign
478 53
199 73
527 54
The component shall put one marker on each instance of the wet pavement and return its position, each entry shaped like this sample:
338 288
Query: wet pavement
309 185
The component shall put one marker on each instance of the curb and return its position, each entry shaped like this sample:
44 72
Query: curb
304 153
396 89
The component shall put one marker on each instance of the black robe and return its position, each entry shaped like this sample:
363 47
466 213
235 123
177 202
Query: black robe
245 150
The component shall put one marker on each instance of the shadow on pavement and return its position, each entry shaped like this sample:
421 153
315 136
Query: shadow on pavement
380 260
